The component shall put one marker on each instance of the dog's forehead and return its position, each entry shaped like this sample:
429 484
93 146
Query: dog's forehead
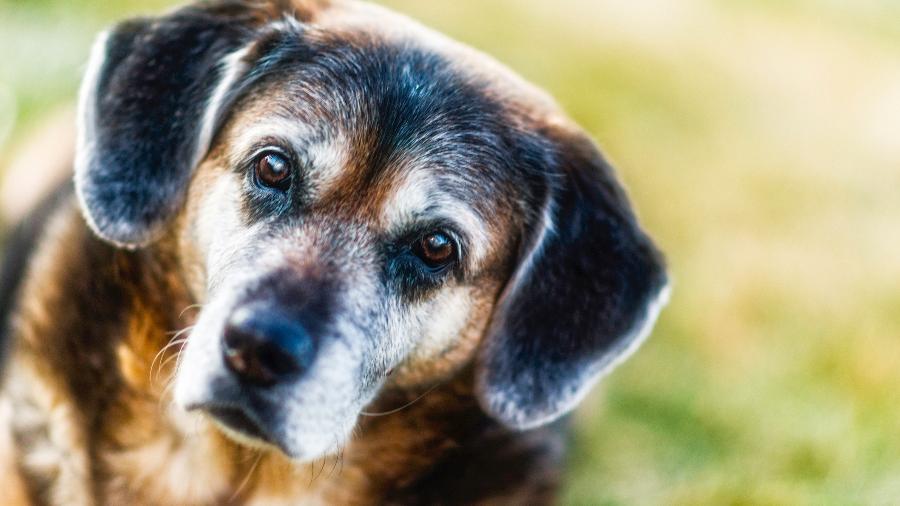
391 121
370 20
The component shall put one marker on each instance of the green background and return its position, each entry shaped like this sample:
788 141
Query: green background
760 142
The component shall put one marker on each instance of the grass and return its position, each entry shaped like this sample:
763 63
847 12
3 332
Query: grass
759 143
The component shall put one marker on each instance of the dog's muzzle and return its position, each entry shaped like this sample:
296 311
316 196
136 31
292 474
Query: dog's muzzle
267 364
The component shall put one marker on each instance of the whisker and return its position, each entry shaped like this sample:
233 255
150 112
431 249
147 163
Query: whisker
177 333
337 446
175 337
185 310
401 408
175 341
322 469
171 344
246 479
165 363
170 383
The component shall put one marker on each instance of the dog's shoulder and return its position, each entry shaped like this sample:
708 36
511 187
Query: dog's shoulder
19 245
27 458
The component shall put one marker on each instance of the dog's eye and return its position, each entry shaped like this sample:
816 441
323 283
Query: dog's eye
436 250
273 170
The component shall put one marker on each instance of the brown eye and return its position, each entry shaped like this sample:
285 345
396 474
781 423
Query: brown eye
436 249
273 170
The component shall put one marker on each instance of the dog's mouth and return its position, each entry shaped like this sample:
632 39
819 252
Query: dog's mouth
237 423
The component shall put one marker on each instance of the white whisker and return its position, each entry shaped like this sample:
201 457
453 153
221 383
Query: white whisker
246 479
401 408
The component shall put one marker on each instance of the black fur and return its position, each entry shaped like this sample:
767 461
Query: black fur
580 302
143 122
491 467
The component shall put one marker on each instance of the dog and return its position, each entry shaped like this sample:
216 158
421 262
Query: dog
313 253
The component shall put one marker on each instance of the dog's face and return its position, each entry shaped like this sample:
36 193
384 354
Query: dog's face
359 204
355 220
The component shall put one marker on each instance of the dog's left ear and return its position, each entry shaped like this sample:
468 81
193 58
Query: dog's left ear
587 290
150 100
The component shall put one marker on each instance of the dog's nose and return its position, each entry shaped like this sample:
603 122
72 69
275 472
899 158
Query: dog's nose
265 347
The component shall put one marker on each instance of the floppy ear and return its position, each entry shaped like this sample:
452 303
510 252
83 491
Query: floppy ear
153 94
587 290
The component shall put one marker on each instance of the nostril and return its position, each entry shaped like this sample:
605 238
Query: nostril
264 347
278 359
242 354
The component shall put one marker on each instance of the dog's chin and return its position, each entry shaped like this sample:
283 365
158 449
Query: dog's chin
244 430
244 439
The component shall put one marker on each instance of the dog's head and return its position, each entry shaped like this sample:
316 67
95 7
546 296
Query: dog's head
359 203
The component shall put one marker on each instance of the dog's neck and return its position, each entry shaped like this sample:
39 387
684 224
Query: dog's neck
97 383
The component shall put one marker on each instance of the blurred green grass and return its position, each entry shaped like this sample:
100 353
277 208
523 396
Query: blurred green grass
760 141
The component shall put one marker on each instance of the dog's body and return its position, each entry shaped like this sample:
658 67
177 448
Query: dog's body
369 329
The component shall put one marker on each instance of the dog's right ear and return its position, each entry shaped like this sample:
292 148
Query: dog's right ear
152 98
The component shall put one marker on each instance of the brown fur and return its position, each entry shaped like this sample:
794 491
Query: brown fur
96 425
97 332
